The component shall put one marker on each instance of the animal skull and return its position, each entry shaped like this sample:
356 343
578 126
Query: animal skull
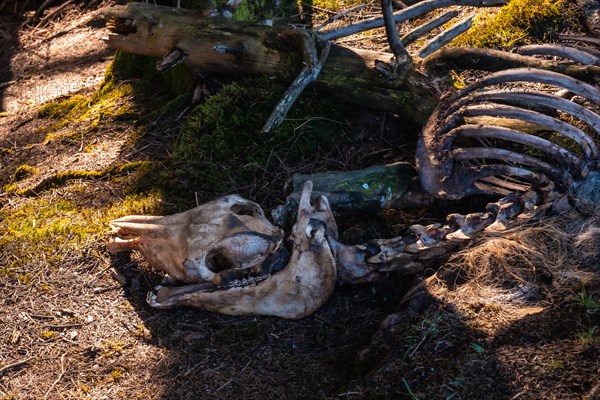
235 261
215 242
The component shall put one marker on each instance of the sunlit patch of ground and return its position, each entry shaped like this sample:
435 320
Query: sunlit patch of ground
57 60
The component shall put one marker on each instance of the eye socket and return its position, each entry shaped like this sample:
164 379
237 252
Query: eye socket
217 262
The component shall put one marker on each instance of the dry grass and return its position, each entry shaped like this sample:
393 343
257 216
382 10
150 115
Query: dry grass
516 257
519 271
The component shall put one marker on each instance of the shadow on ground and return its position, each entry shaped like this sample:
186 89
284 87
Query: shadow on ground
8 45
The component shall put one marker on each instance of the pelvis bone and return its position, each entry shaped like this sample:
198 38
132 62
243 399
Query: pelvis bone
234 260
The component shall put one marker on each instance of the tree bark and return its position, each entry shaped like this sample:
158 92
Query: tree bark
591 14
220 46
210 44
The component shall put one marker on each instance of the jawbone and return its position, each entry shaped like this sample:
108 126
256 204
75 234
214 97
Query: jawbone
296 291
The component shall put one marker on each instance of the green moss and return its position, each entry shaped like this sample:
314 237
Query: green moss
10 187
59 109
24 171
337 5
221 145
43 225
128 81
254 11
516 23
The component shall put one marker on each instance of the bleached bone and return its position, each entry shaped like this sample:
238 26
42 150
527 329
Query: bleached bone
448 170
210 243
491 132
533 100
588 146
530 185
568 52
578 38
409 254
533 75
293 292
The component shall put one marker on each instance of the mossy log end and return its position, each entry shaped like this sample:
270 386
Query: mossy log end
216 45
379 187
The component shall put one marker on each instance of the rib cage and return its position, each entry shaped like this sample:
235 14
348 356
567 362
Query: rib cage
552 155
457 157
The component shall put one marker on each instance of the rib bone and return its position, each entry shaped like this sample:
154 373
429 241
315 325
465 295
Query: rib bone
587 144
568 52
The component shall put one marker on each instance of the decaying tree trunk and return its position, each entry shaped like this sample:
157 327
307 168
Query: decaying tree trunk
217 45
591 13
374 79
393 186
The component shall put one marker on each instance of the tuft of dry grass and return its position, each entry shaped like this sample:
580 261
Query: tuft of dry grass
516 257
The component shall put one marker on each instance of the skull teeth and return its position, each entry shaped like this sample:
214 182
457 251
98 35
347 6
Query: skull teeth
247 281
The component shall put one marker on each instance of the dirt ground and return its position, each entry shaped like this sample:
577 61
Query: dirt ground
74 322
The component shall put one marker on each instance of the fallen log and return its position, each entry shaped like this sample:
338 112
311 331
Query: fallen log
208 43
212 44
379 187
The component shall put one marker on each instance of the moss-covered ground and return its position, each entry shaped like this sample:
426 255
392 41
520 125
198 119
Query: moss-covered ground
518 23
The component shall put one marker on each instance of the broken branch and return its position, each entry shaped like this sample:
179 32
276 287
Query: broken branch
406 14
309 73
402 58
446 37
558 50
428 27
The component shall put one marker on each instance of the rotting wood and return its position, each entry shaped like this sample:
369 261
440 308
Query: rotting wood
219 46
393 186
591 12
216 45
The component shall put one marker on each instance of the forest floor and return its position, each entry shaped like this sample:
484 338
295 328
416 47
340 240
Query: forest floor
74 322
